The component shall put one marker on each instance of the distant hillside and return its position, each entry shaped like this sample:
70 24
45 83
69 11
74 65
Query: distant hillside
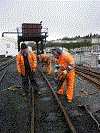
78 37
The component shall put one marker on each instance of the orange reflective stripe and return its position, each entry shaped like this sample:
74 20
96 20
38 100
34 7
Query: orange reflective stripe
62 64
34 58
17 62
66 55
33 62
22 69
20 61
71 62
18 66
65 59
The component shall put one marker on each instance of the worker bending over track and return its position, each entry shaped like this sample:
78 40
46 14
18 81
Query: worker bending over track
46 60
65 62
26 63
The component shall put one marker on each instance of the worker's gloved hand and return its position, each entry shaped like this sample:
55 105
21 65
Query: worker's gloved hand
45 59
64 72
55 71
34 70
48 63
20 74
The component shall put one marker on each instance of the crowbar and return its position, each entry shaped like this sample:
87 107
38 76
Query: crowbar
61 81
84 91
84 107
10 88
88 94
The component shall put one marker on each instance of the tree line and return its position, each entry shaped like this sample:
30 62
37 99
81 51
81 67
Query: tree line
69 45
89 36
66 45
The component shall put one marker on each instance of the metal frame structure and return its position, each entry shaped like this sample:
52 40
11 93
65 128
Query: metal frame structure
34 38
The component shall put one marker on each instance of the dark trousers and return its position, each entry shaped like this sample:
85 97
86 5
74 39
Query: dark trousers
25 81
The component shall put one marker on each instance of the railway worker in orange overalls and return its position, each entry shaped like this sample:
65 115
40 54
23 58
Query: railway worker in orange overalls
26 63
46 60
66 64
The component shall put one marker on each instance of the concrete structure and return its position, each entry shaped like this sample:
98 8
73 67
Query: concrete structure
94 48
95 40
7 47
72 41
81 39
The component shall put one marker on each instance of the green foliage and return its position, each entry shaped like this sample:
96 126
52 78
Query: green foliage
69 45
89 36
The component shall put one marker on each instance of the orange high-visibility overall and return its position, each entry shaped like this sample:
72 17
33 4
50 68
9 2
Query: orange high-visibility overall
20 61
47 62
66 59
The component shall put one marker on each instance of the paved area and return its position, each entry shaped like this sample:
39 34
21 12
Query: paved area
79 98
82 84
93 100
14 110
12 105
87 59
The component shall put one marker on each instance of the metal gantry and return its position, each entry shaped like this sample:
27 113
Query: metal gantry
31 34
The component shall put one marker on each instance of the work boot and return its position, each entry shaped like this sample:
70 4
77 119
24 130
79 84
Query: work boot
49 73
44 72
37 92
24 94
26 99
60 92
69 101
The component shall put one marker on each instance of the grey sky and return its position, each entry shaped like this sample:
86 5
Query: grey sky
62 18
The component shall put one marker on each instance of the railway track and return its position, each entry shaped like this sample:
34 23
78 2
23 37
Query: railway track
4 59
90 75
50 116
4 65
74 118
15 112
52 112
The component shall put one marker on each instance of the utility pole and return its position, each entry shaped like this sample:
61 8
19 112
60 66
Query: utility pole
17 40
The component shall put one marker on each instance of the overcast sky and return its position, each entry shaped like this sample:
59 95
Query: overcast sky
62 18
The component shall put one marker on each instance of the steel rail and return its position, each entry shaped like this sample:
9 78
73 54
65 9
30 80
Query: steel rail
1 59
86 71
5 65
32 113
59 102
84 107
91 74
1 78
88 77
